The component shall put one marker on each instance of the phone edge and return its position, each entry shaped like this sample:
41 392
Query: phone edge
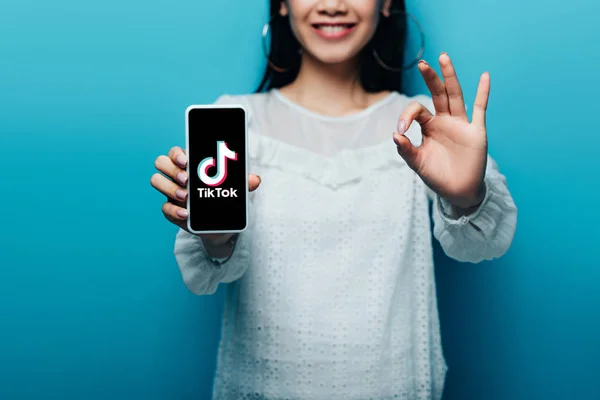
246 166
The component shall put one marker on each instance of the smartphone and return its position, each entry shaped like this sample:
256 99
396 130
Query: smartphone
217 168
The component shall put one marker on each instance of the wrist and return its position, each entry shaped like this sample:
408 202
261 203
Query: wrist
466 206
221 247
216 239
473 201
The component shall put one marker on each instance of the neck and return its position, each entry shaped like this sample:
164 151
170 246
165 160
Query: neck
332 89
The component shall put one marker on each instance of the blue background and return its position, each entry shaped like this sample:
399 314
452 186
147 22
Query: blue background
92 305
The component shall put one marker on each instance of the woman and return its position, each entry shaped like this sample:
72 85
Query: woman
335 286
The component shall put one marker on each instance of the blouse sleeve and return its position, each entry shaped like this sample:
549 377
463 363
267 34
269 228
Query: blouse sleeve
487 232
200 272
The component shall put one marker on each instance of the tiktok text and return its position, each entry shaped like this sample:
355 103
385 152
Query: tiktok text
218 192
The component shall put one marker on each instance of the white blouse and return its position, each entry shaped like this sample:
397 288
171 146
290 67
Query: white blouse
334 294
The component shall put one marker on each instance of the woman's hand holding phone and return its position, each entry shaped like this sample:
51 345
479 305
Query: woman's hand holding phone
173 184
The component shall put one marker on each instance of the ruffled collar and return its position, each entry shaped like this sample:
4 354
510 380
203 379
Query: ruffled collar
345 167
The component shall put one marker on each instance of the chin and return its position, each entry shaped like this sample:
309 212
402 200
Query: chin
333 57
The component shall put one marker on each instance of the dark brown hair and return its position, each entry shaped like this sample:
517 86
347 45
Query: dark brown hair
389 41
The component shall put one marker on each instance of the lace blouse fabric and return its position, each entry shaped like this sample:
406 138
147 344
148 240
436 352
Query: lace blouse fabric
335 291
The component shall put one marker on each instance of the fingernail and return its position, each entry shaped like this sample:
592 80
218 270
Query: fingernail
443 53
181 177
182 213
180 194
401 126
181 160
423 62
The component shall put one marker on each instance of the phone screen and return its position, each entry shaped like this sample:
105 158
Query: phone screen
217 176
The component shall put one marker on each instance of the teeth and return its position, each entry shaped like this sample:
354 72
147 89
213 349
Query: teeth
332 28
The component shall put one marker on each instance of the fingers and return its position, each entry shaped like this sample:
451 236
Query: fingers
178 156
166 165
175 214
407 151
414 112
436 88
171 165
481 100
175 208
253 182
179 193
456 101
168 187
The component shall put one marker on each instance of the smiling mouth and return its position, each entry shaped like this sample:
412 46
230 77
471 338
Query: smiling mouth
333 28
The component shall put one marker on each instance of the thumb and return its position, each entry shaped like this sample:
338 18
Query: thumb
253 182
407 150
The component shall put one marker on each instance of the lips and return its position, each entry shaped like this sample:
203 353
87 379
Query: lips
333 31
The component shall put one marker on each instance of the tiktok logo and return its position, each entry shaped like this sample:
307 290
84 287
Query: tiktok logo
223 153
